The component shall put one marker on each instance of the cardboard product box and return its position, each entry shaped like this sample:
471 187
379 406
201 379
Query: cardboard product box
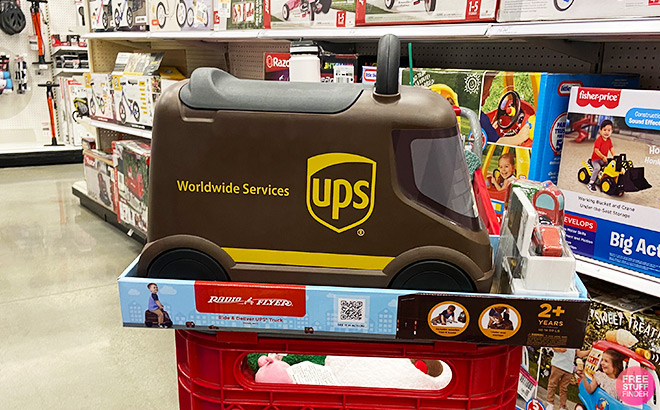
385 12
616 221
130 15
526 133
98 88
99 176
309 14
182 15
131 162
101 15
533 10
276 66
341 68
76 107
347 313
624 320
238 14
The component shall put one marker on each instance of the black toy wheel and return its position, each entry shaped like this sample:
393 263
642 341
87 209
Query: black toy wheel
286 12
181 13
583 175
136 111
129 17
92 106
160 15
433 275
188 264
563 5
190 17
389 4
429 6
105 20
122 112
325 6
76 117
608 185
117 18
509 110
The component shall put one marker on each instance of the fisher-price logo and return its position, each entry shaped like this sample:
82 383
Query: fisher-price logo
564 88
598 97
253 299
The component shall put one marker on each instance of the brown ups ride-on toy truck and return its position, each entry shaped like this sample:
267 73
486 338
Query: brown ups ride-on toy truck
310 183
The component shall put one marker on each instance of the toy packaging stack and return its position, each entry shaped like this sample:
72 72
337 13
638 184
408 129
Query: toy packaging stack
131 185
130 15
533 10
385 12
523 117
136 90
238 14
99 176
180 15
622 329
610 173
98 88
309 13
100 15
335 68
74 105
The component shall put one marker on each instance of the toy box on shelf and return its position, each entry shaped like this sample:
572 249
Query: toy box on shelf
309 13
131 191
533 10
99 176
522 114
74 106
101 15
627 322
98 88
130 15
137 89
385 12
335 68
180 15
609 173
238 14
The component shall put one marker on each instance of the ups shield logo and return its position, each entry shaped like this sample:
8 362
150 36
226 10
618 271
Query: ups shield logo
340 189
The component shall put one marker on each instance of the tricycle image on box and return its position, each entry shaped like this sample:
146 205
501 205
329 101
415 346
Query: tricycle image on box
321 184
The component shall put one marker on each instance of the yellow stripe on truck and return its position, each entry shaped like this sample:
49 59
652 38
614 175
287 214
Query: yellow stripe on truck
325 260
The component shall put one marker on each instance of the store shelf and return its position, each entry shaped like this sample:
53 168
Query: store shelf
121 128
416 32
15 155
79 189
69 49
60 71
614 274
577 29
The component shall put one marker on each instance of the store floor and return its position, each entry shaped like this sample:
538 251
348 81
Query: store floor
62 345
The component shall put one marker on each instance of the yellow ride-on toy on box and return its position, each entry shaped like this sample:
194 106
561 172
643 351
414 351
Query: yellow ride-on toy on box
616 177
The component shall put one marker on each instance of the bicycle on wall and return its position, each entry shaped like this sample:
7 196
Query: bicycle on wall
165 10
100 15
125 102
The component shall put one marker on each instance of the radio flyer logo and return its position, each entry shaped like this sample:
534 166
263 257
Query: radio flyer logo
340 189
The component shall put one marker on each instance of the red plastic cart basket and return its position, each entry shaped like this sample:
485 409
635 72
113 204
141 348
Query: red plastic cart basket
213 375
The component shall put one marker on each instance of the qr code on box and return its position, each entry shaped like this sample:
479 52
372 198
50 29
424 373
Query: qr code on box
352 310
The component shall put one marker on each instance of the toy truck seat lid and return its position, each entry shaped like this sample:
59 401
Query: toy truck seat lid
315 184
